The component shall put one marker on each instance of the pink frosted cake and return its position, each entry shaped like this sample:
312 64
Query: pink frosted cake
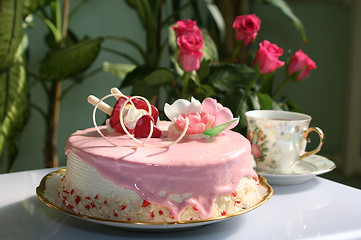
193 167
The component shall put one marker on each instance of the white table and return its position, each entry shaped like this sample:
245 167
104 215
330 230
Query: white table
317 209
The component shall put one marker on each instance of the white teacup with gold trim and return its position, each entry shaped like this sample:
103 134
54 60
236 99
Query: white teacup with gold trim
279 138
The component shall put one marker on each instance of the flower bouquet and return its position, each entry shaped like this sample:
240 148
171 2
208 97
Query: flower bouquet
239 87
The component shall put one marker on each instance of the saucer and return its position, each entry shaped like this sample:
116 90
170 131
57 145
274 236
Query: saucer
301 172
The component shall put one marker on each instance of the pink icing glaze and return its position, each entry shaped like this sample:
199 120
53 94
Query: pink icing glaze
205 168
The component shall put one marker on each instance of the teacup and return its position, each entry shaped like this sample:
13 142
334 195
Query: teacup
279 138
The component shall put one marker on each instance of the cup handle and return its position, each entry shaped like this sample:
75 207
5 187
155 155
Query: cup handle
306 134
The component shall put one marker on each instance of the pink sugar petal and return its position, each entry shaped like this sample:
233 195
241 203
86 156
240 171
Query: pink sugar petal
210 122
209 105
197 128
222 116
234 124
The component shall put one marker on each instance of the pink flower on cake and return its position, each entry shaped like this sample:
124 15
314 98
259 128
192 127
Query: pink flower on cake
300 64
246 28
198 122
185 26
210 118
267 57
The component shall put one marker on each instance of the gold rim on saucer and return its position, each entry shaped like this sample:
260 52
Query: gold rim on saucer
41 193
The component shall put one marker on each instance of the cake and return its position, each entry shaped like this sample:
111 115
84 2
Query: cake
192 167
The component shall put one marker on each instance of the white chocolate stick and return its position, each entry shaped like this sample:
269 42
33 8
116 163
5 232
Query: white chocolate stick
93 100
116 92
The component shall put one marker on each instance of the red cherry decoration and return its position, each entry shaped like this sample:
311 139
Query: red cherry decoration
142 128
114 120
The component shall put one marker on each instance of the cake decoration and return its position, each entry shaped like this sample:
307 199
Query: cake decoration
190 119
205 120
132 116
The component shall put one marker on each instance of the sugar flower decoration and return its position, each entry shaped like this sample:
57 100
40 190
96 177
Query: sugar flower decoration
209 118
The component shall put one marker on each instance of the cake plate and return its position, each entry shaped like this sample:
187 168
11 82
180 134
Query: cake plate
47 193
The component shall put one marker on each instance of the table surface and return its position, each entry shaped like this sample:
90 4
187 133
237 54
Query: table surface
317 209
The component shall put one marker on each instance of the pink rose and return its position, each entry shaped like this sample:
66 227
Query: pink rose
267 57
185 26
191 61
246 28
190 45
198 122
301 63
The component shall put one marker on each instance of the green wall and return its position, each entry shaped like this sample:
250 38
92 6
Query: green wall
321 95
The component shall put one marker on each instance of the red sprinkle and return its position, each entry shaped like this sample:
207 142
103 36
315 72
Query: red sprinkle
195 208
145 203
152 214
255 178
72 191
105 201
224 213
64 197
77 200
96 197
70 206
123 207
171 216
65 191
160 212
191 219
87 206
115 213
234 194
92 204
87 198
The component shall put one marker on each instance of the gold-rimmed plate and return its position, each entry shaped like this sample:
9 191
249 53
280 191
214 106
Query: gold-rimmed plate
48 189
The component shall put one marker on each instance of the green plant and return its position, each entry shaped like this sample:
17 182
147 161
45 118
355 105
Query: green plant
70 56
67 58
235 85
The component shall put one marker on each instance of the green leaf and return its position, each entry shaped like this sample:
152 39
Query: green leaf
14 107
217 129
287 11
146 80
159 77
217 17
30 6
203 70
66 62
229 77
204 91
209 49
265 101
139 73
140 88
11 32
148 19
118 69
267 85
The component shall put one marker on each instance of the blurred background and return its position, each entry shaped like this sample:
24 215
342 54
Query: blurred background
331 94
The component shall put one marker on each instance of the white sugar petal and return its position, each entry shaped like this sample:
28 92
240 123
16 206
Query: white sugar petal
195 106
